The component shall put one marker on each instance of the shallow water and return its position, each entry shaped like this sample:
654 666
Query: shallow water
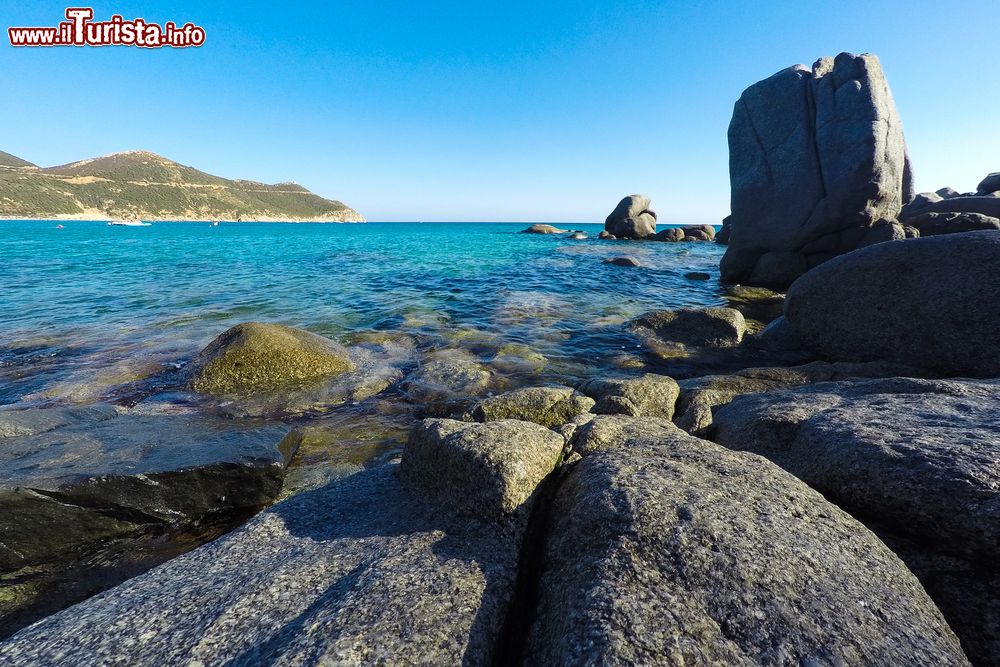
90 308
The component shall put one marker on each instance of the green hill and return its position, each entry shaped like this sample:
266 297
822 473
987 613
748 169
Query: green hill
139 184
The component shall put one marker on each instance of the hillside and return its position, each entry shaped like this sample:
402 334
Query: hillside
150 187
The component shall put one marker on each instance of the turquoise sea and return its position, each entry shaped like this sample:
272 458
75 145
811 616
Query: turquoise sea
90 307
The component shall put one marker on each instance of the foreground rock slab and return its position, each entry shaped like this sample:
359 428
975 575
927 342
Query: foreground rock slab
915 458
817 156
928 302
671 550
359 572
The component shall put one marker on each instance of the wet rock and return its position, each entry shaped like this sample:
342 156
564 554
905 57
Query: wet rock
647 396
934 224
672 550
699 233
807 163
358 572
632 218
544 229
668 235
515 358
548 406
698 275
928 302
255 357
446 380
759 305
578 236
607 235
70 487
700 397
623 261
916 458
488 470
670 332
16 422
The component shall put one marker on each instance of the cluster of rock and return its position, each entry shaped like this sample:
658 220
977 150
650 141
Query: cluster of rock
840 512
633 219
947 211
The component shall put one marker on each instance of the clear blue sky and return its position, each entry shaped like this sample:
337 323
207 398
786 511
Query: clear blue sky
512 110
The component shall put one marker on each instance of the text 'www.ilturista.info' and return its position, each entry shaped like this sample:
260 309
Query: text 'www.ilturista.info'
81 30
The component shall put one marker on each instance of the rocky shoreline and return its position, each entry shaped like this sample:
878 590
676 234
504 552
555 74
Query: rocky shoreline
809 477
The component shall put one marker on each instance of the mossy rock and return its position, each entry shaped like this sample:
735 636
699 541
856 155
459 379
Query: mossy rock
255 357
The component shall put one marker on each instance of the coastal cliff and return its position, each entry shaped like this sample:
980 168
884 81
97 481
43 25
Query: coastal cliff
139 184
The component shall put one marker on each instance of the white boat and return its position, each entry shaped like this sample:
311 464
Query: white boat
129 223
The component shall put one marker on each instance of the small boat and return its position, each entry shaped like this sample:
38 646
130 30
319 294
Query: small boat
60 227
129 223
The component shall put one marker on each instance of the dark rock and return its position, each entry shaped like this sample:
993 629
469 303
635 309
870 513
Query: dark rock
543 229
928 302
722 237
255 357
699 233
358 572
606 235
668 235
947 193
632 218
882 231
623 261
671 550
667 331
806 161
916 458
698 275
984 205
647 396
989 185
577 236
548 406
934 224
93 478
487 470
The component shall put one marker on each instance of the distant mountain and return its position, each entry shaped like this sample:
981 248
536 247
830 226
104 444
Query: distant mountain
139 184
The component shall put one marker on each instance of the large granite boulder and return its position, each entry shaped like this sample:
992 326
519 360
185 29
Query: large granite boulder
256 357
671 550
913 458
816 156
548 406
362 571
989 185
631 219
488 470
650 395
928 302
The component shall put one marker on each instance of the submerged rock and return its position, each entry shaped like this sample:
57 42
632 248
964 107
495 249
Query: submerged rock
548 406
647 396
672 550
914 458
670 332
255 357
929 302
816 157
358 572
631 219
623 261
446 380
487 470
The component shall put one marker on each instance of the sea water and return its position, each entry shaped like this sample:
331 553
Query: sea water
89 304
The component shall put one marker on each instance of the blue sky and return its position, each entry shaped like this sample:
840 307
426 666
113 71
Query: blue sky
547 111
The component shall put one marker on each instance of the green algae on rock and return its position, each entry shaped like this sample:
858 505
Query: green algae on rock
548 406
256 357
